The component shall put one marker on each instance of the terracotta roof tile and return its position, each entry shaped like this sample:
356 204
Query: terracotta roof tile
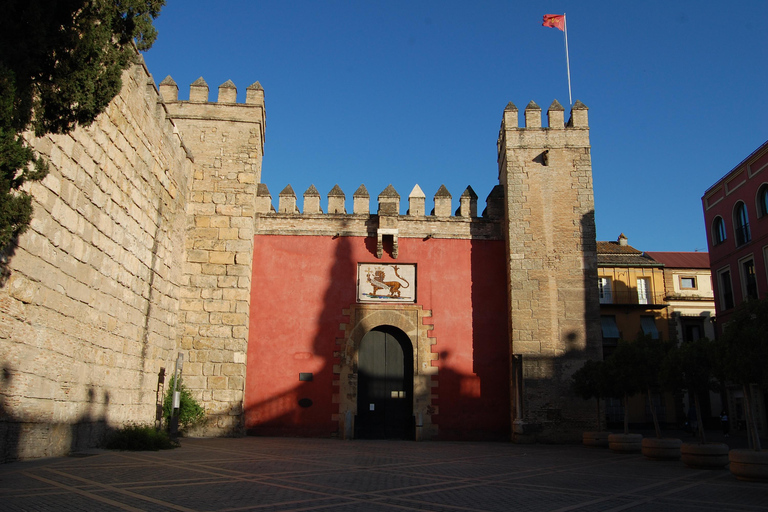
681 259
615 248
612 254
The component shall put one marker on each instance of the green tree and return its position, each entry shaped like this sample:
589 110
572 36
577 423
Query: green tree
625 376
691 366
591 381
745 340
650 354
60 65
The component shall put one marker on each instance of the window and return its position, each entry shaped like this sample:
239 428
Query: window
748 279
642 290
741 224
693 328
604 285
649 327
688 283
718 230
762 200
611 332
726 290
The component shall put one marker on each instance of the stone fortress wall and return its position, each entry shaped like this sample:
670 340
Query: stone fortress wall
89 307
141 247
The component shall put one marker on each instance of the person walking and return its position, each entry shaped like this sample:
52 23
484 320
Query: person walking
724 423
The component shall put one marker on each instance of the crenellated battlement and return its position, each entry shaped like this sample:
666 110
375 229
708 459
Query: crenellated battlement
555 116
198 92
226 109
441 222
557 134
388 203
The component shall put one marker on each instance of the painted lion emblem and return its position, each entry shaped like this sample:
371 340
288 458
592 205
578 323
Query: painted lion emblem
377 281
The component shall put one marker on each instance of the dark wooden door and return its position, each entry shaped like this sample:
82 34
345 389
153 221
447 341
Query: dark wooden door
385 386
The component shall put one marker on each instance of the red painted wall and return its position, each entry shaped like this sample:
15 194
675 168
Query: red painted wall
300 286
743 185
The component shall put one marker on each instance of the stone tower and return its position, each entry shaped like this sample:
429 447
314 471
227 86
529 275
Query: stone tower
226 140
546 175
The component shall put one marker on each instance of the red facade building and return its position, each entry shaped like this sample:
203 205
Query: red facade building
736 218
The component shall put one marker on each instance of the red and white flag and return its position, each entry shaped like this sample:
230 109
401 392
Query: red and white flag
554 21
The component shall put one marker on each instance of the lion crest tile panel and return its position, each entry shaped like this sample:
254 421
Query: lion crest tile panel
381 282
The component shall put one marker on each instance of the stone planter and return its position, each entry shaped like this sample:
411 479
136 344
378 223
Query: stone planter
704 456
595 439
666 448
749 464
625 443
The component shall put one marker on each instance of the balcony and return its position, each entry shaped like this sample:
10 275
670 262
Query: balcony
649 300
743 234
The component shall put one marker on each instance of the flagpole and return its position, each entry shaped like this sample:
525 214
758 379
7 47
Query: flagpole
567 59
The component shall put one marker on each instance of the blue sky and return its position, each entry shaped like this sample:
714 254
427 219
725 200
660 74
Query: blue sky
405 92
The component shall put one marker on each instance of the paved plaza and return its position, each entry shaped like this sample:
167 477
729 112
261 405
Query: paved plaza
285 474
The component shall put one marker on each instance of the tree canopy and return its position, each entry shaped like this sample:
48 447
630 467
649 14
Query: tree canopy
745 340
745 346
60 65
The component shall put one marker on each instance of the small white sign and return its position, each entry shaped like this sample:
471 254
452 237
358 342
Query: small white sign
371 407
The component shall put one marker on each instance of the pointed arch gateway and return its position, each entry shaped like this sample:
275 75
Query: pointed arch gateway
385 373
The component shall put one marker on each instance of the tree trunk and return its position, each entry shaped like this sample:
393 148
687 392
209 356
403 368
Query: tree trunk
599 423
626 414
752 433
653 414
702 436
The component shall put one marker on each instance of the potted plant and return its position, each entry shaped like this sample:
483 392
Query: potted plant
691 366
745 346
590 381
624 378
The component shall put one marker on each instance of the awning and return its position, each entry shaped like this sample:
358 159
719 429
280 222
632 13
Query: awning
649 326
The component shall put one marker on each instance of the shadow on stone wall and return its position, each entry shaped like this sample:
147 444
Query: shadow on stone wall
9 427
559 415
23 438
90 429
5 260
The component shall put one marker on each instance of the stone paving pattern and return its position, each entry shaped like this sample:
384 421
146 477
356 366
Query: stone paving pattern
283 474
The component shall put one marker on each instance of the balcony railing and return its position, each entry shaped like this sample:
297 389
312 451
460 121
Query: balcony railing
630 297
743 234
